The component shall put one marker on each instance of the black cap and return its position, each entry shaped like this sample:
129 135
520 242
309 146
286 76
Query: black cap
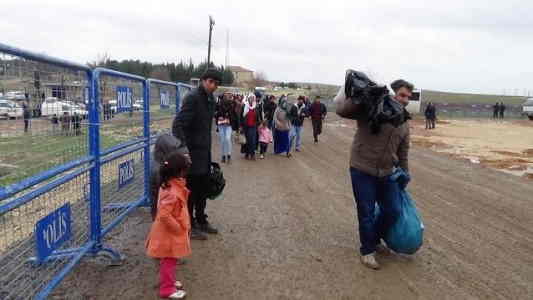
212 74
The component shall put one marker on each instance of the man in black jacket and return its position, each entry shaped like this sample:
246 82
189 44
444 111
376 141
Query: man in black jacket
193 126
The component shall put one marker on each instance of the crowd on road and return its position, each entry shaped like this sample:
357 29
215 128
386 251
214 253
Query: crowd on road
183 165
255 121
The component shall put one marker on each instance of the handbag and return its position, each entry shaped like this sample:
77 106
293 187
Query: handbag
242 139
216 180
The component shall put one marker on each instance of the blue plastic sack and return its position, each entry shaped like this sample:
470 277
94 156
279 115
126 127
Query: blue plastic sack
407 234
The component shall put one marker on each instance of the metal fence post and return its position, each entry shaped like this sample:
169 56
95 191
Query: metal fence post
146 130
178 98
94 150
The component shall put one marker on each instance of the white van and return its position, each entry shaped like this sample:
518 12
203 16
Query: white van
527 108
414 102
53 106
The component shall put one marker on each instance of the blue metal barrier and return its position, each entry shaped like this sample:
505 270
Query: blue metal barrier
85 177
23 201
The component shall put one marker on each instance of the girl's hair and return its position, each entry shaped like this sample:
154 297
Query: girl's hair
172 167
264 123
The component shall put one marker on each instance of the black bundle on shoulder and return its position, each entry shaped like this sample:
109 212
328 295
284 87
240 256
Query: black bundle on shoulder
378 105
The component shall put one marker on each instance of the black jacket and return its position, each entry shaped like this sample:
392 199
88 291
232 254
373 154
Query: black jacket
298 113
269 109
193 125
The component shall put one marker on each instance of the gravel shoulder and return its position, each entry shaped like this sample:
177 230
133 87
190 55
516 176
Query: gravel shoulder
289 232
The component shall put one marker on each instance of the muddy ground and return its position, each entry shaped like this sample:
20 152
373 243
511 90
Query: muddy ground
288 231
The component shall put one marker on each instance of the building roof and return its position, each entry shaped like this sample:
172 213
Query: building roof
238 69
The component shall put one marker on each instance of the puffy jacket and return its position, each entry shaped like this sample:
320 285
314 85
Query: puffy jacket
169 235
164 145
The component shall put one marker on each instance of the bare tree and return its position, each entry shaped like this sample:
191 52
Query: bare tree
100 60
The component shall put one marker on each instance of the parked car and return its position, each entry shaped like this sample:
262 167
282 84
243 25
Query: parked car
10 109
53 106
527 108
15 95
138 104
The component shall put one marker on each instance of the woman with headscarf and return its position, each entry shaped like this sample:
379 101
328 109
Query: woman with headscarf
282 127
250 120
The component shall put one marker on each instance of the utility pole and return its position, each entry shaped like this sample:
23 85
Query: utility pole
211 24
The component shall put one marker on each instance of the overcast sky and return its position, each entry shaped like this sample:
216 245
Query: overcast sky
467 46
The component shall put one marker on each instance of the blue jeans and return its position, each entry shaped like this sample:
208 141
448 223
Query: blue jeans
367 191
224 132
296 134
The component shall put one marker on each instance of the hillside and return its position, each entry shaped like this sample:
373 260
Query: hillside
464 98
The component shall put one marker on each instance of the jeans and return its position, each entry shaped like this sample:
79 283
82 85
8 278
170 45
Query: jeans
167 276
367 191
224 132
296 134
197 199
251 140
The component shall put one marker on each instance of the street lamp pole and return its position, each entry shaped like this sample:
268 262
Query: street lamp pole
211 24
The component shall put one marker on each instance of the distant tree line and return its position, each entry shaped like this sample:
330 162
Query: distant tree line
180 72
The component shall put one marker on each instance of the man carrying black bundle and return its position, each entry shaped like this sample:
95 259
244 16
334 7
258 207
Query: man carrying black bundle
193 126
380 144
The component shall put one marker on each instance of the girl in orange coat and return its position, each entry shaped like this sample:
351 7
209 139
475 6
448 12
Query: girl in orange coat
169 236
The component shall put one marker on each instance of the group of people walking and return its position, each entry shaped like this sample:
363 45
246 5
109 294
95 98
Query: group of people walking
182 162
259 120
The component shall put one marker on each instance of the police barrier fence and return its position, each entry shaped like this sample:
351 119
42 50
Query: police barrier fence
74 162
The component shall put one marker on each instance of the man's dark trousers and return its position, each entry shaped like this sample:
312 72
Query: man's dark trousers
197 199
317 129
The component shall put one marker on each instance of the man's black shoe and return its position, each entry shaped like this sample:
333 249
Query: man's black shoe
207 228
197 234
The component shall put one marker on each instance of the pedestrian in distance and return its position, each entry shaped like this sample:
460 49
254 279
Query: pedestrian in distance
298 113
431 115
65 124
76 124
250 120
224 117
502 111
265 138
55 124
282 128
193 126
26 115
495 110
371 167
318 112
169 237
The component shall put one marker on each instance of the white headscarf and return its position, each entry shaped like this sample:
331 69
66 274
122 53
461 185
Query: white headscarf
247 105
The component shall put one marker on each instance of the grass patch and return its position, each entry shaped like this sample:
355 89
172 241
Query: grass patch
29 155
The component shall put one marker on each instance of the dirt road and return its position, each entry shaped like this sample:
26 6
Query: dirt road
288 232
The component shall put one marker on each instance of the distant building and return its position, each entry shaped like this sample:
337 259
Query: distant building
241 75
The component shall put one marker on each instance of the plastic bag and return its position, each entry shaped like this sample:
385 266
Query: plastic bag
406 236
